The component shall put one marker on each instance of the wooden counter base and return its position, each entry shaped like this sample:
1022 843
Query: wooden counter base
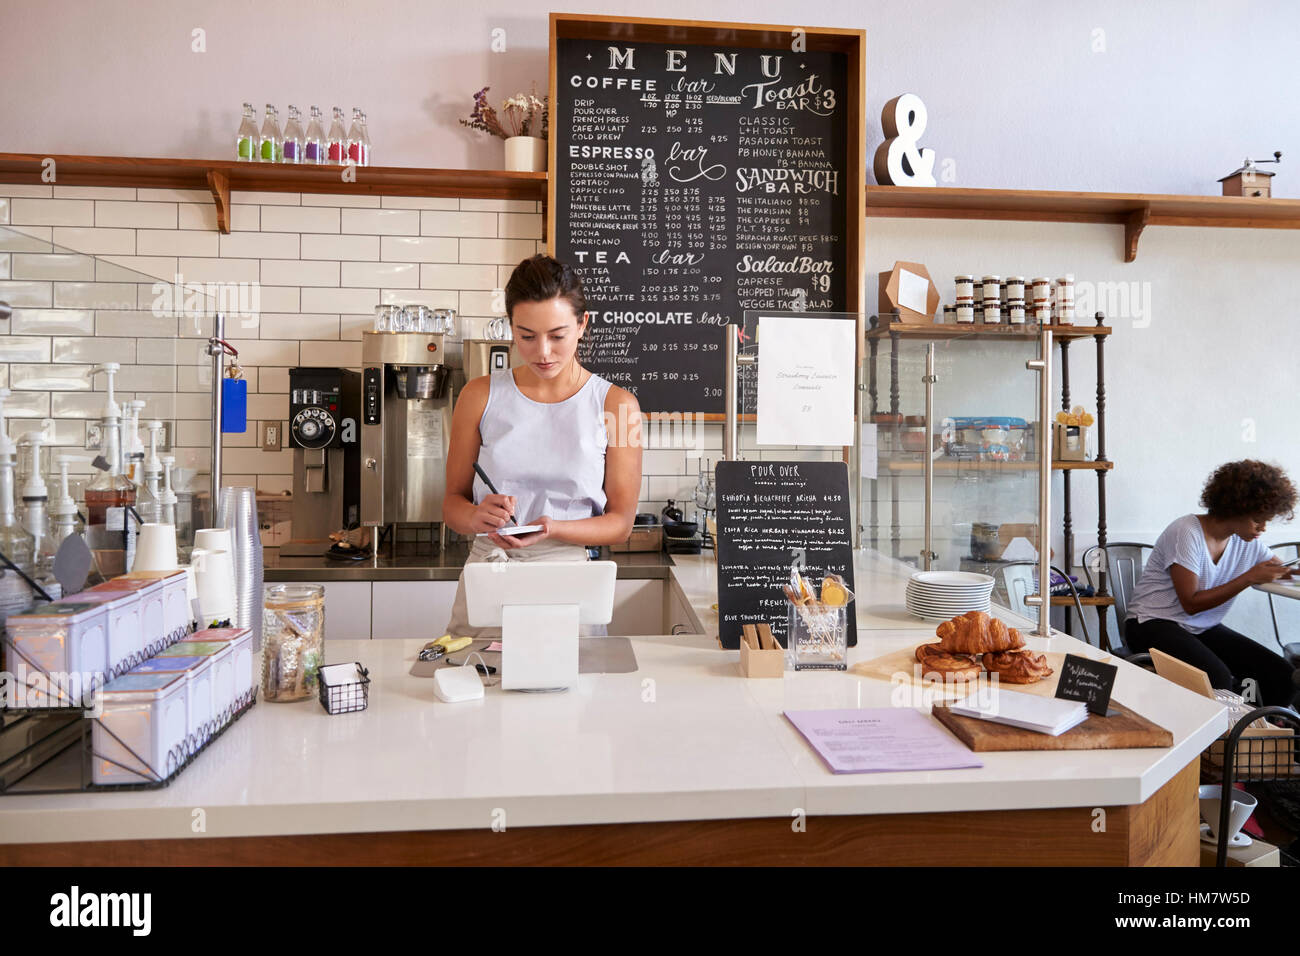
1164 831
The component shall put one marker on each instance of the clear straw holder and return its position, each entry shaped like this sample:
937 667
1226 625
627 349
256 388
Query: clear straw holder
817 636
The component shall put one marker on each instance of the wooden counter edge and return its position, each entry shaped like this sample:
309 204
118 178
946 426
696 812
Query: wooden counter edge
1163 831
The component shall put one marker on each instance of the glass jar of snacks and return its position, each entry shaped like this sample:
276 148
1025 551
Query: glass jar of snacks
293 640
817 622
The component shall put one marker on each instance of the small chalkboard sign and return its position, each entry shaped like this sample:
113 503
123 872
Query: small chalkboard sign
1087 681
772 515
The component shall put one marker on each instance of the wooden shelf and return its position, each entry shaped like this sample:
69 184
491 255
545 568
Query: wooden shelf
219 177
1065 600
1133 211
945 465
1027 332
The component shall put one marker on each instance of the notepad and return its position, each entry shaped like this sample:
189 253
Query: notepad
516 530
1045 715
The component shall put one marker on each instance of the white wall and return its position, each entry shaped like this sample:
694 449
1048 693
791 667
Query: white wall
1017 96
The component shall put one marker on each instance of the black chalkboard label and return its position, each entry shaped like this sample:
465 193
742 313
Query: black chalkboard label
693 182
772 515
1087 681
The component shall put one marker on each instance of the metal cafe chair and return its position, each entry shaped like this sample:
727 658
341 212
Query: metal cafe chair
1255 759
1018 581
1290 651
1124 561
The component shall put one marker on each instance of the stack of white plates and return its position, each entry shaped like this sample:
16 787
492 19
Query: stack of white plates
940 595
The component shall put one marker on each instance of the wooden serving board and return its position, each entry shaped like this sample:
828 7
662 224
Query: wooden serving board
1126 729
888 666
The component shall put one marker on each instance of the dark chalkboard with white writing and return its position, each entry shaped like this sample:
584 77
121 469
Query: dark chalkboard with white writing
1088 681
772 515
693 182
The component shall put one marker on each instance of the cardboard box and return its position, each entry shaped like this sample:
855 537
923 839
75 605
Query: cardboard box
1258 853
760 654
1069 442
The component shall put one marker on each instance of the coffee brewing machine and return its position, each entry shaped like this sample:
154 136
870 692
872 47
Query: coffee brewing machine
406 406
324 410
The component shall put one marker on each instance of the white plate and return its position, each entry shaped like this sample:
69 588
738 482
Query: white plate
945 611
952 578
951 595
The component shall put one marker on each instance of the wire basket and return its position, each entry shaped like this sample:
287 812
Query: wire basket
1255 750
344 697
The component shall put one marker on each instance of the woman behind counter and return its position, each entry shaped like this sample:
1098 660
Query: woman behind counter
1200 564
561 444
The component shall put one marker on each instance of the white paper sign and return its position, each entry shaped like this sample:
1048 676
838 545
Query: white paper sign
913 292
868 451
805 381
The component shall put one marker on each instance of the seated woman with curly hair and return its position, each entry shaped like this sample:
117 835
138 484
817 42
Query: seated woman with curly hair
1200 563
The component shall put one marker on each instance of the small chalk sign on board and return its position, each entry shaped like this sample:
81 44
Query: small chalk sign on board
1087 681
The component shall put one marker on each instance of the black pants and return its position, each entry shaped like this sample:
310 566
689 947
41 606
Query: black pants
1229 658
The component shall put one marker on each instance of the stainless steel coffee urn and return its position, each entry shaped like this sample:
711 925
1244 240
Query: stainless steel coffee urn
485 356
406 407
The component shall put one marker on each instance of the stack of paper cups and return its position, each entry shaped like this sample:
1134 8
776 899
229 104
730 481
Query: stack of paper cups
238 513
214 539
214 579
155 549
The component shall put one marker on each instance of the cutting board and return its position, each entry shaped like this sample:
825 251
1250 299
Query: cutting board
1125 729
888 667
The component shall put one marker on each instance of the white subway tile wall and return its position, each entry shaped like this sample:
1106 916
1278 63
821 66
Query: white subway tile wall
90 273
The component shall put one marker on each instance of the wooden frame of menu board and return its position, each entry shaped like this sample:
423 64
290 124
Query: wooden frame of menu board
849 161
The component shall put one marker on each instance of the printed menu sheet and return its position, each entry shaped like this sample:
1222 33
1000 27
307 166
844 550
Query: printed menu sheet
694 182
805 381
880 739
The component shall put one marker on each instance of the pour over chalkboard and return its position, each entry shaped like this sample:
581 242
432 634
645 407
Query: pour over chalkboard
772 515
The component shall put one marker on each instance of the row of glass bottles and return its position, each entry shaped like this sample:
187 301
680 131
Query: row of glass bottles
313 147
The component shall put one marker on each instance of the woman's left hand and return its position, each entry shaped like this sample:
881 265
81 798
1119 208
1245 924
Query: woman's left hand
512 541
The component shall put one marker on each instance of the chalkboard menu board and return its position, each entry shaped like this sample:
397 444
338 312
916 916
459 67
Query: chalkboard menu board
693 182
771 515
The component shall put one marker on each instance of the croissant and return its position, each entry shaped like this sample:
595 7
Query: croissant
934 659
975 632
1018 667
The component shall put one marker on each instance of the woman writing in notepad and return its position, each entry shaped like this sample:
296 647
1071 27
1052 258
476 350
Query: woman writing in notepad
1199 565
561 445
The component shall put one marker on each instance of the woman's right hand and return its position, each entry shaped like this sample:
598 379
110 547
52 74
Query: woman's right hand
492 513
1266 572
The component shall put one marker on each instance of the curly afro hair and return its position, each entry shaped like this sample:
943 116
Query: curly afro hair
1249 488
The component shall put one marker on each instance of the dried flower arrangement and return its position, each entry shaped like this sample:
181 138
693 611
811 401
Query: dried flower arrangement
526 114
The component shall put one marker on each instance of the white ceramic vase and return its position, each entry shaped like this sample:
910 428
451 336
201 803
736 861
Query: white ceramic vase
525 154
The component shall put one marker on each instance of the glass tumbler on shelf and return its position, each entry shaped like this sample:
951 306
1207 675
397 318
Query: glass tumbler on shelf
445 321
293 641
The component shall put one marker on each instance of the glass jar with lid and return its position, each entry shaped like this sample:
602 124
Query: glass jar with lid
293 640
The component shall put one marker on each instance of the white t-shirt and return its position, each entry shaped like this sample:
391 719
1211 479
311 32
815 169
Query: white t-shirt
1183 543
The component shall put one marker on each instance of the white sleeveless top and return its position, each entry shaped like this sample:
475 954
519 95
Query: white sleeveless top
549 455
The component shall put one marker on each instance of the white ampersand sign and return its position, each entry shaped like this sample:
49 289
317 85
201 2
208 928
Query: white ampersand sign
898 161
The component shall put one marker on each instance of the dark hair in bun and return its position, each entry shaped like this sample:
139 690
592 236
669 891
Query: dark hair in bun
541 278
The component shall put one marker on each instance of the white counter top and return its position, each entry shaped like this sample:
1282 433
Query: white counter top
685 737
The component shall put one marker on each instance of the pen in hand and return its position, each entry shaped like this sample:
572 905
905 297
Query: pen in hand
491 487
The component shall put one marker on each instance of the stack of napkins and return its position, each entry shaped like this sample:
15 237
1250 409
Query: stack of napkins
1046 715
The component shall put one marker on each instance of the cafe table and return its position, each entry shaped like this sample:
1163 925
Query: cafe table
681 762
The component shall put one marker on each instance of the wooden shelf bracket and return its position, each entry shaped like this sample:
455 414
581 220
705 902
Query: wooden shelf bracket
219 183
1136 221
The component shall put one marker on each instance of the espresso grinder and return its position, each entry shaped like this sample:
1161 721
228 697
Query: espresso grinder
324 407
406 407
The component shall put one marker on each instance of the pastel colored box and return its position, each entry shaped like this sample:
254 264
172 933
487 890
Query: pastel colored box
61 639
140 737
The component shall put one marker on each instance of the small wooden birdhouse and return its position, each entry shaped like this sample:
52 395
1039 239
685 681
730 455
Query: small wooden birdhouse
1249 180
